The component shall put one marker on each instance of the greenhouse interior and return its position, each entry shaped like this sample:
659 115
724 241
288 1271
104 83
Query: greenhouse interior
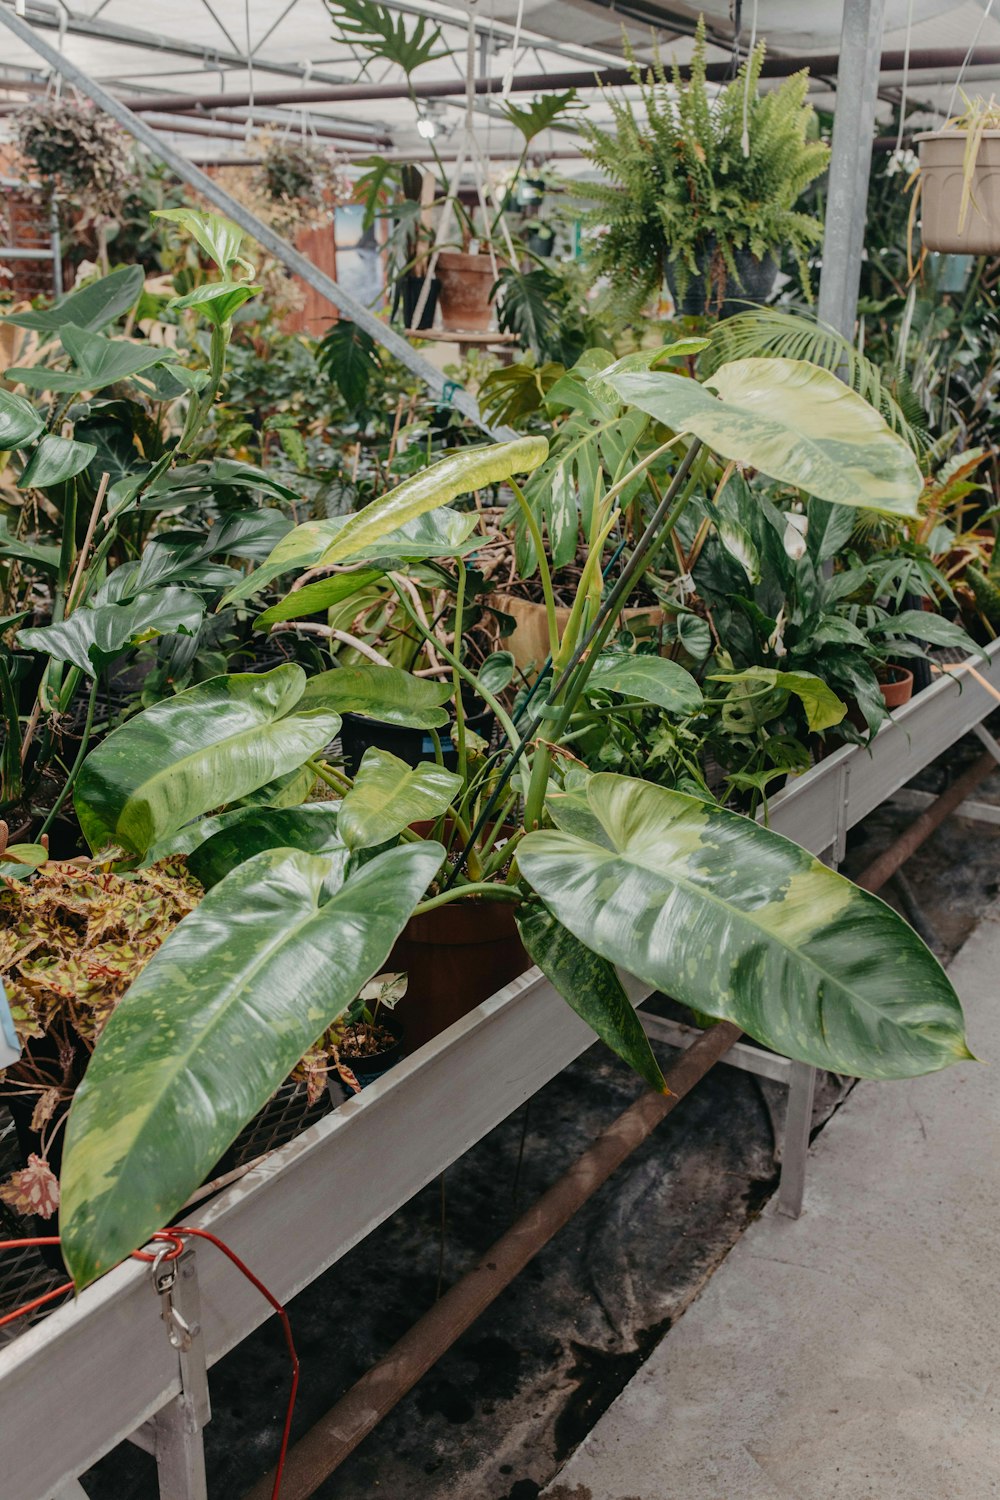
499 749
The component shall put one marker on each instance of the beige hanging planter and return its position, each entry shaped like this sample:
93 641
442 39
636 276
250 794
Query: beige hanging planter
942 177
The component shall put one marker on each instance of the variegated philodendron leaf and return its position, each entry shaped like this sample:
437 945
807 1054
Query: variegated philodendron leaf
218 1018
196 752
744 925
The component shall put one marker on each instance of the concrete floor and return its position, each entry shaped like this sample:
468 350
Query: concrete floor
852 1353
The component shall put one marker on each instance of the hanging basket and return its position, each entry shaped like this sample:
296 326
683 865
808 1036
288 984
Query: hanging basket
942 176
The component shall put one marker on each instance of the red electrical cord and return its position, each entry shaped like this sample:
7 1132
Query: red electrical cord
175 1239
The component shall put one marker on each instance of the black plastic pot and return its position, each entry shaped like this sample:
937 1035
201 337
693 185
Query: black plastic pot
754 283
358 734
367 1069
408 292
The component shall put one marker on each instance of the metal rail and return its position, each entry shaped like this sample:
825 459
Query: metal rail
281 248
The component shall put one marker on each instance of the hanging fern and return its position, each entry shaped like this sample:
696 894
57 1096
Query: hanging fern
769 332
679 187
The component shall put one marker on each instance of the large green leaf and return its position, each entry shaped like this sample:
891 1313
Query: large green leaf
792 421
217 300
320 595
213 1024
220 238
388 795
822 707
742 924
251 830
92 638
385 693
442 533
92 306
55 460
20 423
99 362
460 474
197 751
43 555
650 679
590 985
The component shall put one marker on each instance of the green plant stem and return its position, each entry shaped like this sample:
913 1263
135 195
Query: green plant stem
78 762
544 573
460 892
455 676
332 777
452 659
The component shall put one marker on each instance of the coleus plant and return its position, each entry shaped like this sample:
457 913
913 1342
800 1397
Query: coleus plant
605 872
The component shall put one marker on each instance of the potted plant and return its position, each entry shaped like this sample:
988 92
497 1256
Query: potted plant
701 188
369 1041
599 870
959 182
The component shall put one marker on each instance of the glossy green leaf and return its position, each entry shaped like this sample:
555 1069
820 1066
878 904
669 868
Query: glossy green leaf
320 595
460 474
933 629
744 925
99 362
602 385
93 306
590 985
18 861
217 300
55 460
220 238
42 555
252 830
442 533
214 1023
388 796
92 638
197 751
650 679
496 672
20 423
738 543
794 422
384 693
822 707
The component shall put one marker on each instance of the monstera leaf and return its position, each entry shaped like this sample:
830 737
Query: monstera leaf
93 638
388 796
792 421
744 925
471 469
214 1023
384 693
197 751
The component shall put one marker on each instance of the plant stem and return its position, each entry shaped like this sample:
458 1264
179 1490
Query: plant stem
544 573
460 892
78 762
455 675
332 777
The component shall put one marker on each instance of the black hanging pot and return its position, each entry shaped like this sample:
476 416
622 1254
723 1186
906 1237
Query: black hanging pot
358 734
408 292
716 292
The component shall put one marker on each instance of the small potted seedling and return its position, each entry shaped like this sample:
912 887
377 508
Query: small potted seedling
371 1041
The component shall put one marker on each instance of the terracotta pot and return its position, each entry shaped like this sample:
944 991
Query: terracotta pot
900 690
942 154
529 641
466 282
455 957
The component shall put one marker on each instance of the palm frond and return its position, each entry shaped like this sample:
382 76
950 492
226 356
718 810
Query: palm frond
771 332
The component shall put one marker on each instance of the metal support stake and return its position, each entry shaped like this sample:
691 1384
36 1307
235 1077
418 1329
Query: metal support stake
850 162
176 1430
261 232
795 1150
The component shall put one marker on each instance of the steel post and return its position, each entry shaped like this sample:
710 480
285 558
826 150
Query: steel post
261 232
850 162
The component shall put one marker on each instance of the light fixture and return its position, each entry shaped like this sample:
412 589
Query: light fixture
427 127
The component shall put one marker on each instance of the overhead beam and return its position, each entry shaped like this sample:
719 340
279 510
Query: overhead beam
444 88
265 236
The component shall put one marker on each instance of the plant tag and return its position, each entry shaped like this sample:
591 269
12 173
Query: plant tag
10 1047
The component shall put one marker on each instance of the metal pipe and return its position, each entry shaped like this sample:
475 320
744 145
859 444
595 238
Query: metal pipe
279 247
335 1436
888 862
441 88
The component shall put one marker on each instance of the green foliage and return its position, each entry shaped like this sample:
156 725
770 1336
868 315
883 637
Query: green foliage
349 357
542 113
386 36
680 188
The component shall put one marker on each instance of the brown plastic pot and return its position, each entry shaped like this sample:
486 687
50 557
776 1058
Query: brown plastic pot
528 643
454 957
942 156
466 283
900 689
